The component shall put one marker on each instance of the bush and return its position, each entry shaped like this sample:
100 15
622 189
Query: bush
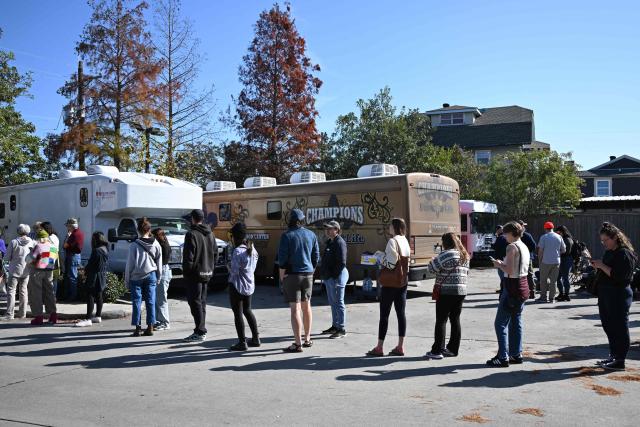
115 288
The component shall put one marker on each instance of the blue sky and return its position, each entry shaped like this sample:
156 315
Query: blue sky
575 63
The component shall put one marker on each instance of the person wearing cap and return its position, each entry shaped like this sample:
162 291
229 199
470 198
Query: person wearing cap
242 285
550 248
72 250
530 243
334 273
199 257
43 258
298 256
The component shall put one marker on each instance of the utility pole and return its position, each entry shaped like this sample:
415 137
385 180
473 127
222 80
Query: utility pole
80 117
147 131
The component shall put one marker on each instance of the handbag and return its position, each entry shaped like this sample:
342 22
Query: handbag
437 288
396 277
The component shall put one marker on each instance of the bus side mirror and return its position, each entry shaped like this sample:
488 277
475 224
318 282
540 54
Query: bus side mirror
112 235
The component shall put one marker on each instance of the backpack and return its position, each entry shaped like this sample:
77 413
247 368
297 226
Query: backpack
576 250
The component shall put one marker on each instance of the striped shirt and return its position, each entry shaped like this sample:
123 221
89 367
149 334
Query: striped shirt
450 273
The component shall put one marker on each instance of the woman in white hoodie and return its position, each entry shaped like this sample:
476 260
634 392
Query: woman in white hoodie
18 273
143 271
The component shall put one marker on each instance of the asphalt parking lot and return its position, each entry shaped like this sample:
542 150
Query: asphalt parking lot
66 376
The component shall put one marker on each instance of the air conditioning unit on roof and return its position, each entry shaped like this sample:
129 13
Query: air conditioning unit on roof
221 186
377 169
67 173
306 177
259 181
102 170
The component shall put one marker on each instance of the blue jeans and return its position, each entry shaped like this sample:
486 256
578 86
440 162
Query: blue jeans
71 264
335 296
508 325
162 303
563 278
145 288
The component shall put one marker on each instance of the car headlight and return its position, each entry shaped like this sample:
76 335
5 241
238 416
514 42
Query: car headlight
176 255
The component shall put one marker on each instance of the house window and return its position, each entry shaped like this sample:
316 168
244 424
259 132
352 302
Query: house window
451 118
483 157
274 210
603 187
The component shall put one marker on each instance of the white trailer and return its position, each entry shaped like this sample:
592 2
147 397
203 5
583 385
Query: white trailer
104 199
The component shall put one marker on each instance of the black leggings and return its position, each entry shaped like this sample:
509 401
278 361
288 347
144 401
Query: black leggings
398 298
241 304
94 296
448 307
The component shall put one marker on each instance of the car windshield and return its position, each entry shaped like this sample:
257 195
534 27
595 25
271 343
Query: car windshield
175 226
483 222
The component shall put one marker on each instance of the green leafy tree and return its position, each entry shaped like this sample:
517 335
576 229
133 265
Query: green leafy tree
535 182
198 163
20 158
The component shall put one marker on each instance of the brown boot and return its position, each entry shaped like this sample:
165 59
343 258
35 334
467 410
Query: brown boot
149 331
136 333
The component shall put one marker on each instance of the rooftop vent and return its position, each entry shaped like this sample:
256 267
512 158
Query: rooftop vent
612 158
305 177
259 181
445 105
102 170
67 173
377 169
221 185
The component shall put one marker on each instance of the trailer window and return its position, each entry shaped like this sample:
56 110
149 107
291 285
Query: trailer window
1 210
84 197
13 202
224 211
274 210
463 223
127 227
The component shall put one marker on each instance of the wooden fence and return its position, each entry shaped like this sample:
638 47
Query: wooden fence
585 226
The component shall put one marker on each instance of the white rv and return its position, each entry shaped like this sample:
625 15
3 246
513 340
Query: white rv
105 199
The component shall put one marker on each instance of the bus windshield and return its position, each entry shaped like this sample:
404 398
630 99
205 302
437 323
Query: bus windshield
175 226
483 222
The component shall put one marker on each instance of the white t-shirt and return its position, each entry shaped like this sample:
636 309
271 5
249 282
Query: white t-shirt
391 255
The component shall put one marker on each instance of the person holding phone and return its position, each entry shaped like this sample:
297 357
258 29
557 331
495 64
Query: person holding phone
613 280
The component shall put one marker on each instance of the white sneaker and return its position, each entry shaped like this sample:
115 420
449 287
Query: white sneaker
83 323
434 356
96 319
162 327
6 317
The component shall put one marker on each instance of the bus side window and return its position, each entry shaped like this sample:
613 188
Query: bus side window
13 203
224 211
1 210
127 227
463 222
84 197
274 210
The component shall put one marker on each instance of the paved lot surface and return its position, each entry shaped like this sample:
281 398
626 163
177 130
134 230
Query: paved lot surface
66 376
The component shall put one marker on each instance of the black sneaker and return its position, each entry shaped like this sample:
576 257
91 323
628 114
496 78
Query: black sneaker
448 353
616 365
605 361
567 298
496 362
560 298
239 346
338 334
515 360
331 330
254 342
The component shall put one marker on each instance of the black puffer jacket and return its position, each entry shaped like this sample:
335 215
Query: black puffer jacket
96 269
334 258
200 253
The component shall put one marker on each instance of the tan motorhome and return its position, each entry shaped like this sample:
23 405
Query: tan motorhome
364 207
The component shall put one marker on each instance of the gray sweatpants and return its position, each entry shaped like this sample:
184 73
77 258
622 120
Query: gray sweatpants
19 284
41 292
548 278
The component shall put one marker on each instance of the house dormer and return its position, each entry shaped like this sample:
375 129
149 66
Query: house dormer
620 176
453 115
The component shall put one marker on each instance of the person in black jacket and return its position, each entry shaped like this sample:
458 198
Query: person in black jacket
566 263
96 278
613 278
500 252
199 258
333 269
530 243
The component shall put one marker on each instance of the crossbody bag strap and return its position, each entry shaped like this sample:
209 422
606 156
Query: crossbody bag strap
147 251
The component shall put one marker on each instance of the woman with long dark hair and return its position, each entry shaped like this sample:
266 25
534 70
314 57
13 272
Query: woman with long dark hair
396 255
613 279
451 267
242 285
566 263
96 278
162 289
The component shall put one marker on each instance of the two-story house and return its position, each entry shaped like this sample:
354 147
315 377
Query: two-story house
486 132
620 176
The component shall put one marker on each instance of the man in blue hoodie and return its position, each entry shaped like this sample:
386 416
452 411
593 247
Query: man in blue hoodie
298 256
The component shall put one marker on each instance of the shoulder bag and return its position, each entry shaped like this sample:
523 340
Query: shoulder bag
396 278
